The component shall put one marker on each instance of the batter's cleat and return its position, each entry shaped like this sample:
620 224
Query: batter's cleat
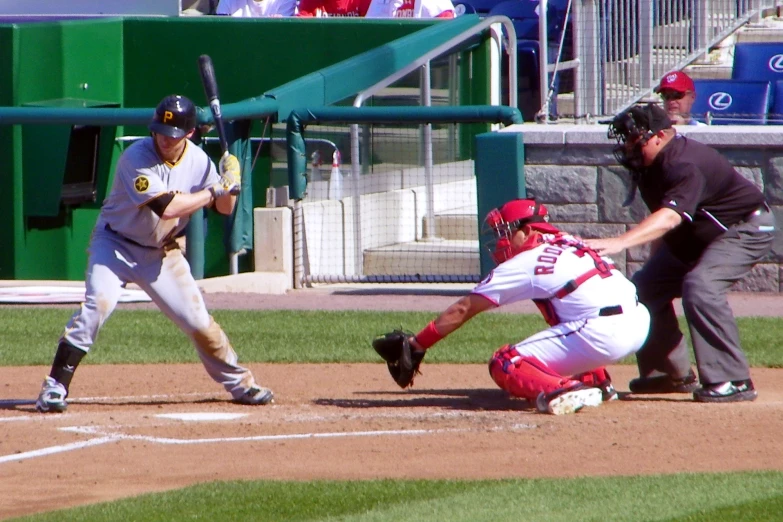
732 391
664 384
52 397
568 400
256 396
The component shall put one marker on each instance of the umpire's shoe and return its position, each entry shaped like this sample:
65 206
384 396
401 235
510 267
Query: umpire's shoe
52 397
732 391
256 396
664 384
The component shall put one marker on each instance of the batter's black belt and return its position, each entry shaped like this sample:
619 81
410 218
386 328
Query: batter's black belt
610 310
168 246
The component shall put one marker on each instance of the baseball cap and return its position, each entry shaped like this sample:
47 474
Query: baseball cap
676 81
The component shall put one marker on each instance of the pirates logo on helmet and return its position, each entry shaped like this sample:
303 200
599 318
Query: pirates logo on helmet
174 117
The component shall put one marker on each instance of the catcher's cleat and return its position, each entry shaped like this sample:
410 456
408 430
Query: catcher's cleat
256 396
732 391
608 393
568 400
52 397
664 384
599 378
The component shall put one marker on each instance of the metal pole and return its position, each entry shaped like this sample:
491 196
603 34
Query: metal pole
356 169
298 245
429 231
543 60
453 100
646 44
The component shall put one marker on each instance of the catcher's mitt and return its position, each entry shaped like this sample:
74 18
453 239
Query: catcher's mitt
401 358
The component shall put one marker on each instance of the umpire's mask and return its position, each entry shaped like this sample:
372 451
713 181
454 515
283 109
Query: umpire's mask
632 129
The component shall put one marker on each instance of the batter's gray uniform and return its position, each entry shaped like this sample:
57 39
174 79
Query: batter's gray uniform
131 244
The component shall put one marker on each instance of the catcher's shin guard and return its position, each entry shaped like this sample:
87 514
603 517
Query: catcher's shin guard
524 377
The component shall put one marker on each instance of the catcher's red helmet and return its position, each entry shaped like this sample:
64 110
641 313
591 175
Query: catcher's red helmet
509 218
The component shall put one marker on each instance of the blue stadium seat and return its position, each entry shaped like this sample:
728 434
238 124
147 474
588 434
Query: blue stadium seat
760 62
482 7
463 8
732 102
776 112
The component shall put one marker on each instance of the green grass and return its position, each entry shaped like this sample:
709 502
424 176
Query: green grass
284 336
738 497
137 336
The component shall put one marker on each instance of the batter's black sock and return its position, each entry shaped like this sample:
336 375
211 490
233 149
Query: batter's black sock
65 362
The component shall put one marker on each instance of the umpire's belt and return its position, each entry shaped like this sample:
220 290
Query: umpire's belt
610 310
763 209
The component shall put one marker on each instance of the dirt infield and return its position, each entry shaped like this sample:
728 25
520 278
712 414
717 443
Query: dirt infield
118 438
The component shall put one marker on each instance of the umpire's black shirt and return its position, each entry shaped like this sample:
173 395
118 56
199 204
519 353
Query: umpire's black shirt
698 183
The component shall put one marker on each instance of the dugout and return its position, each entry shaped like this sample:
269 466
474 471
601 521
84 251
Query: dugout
57 174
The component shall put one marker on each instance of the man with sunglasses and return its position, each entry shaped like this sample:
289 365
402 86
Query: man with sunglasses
678 93
594 315
714 226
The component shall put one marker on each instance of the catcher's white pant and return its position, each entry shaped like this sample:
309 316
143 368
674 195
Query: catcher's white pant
584 345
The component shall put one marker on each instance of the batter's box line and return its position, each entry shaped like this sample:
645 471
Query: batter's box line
106 437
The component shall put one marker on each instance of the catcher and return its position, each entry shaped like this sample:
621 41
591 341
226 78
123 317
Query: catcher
592 310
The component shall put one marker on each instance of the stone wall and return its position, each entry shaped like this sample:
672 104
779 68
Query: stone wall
572 170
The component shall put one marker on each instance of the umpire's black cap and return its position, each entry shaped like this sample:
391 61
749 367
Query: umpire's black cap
174 117
638 121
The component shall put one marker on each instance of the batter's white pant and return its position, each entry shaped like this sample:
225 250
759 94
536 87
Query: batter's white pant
165 276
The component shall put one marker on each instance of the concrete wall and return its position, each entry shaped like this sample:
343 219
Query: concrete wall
388 217
571 169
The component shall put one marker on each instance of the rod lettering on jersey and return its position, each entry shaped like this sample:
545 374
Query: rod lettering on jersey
547 265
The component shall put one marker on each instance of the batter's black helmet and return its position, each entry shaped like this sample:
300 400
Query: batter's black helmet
175 116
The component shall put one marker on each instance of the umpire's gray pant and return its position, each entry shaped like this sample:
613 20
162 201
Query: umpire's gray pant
703 287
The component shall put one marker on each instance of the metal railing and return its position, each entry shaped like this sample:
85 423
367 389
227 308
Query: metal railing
623 47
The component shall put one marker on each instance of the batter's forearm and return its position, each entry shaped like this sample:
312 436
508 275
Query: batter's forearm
183 205
225 204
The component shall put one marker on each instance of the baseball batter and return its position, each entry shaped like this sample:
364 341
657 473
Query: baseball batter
594 315
159 182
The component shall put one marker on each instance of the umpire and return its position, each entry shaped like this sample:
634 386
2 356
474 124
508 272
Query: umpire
715 226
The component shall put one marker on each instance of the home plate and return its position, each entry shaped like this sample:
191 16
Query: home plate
205 416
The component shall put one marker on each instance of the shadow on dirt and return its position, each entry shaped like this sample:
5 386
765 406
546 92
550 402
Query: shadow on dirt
403 291
28 405
453 399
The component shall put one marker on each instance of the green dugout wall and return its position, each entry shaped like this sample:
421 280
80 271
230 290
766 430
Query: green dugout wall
133 63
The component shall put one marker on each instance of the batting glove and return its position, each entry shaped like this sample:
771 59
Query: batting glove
230 173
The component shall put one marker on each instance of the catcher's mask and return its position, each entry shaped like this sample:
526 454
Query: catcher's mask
632 129
174 117
504 221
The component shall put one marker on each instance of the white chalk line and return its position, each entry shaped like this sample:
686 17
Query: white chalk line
55 449
114 437
90 430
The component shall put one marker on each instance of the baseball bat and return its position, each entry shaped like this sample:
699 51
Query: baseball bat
213 98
